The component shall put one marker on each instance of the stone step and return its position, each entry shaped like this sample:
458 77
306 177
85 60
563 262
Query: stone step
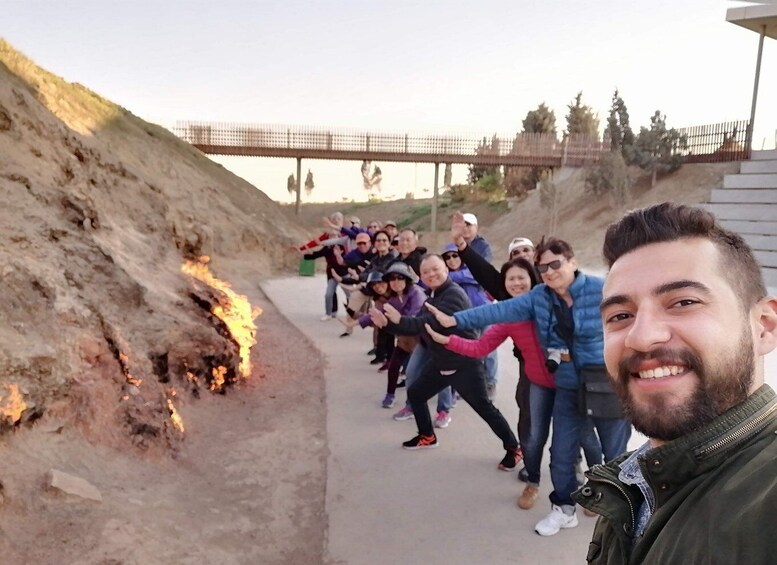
744 196
746 227
768 155
749 212
760 242
758 180
750 167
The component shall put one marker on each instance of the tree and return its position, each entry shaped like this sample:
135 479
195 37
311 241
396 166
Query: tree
550 199
447 175
658 148
291 184
485 147
541 120
519 180
581 119
309 183
618 131
610 178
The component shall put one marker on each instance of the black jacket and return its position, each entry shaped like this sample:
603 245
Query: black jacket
449 298
413 260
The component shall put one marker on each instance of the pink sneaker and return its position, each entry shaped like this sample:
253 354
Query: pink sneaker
442 420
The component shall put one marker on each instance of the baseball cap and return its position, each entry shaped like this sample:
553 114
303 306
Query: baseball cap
363 237
389 223
519 242
471 219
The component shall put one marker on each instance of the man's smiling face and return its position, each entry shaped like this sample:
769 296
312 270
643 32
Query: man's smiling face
678 342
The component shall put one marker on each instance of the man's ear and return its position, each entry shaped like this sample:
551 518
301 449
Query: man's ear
765 319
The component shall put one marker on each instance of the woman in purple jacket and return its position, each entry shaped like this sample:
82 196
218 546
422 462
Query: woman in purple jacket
407 298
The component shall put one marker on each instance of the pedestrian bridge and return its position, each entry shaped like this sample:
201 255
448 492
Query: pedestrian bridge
303 142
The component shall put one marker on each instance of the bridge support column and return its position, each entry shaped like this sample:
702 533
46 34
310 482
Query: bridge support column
298 203
435 195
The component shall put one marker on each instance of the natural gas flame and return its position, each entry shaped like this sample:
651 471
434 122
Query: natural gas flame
219 374
233 309
175 417
12 404
124 362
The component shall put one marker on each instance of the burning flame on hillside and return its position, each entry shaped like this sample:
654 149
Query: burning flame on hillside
12 404
234 310
175 417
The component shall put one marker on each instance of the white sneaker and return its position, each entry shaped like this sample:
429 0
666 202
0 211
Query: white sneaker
555 521
326 318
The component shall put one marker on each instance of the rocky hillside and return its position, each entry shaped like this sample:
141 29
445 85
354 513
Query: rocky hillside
99 210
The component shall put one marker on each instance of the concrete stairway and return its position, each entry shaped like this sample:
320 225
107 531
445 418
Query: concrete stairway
747 204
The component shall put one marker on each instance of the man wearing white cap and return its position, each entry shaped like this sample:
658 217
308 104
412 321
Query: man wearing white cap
479 245
477 242
521 247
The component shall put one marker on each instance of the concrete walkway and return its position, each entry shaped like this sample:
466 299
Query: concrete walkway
446 506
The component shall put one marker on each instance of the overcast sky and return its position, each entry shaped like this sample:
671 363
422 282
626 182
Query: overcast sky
426 66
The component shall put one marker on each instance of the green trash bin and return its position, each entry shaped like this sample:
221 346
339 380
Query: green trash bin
307 268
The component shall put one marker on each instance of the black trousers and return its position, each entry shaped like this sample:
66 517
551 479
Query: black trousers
470 382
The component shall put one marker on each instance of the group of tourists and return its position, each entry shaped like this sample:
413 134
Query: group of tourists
438 319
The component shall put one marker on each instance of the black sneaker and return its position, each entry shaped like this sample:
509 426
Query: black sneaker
402 383
523 475
377 361
510 461
421 442
346 333
372 351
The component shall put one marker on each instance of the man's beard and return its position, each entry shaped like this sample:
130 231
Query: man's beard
719 387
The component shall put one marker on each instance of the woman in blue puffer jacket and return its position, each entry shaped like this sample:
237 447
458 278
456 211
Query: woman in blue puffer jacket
565 310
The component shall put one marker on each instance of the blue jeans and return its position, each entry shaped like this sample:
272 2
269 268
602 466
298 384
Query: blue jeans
541 401
420 357
492 365
330 297
569 425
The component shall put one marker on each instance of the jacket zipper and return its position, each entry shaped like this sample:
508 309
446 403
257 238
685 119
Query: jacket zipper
740 432
592 474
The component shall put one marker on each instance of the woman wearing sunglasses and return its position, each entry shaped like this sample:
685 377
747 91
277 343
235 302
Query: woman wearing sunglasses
565 309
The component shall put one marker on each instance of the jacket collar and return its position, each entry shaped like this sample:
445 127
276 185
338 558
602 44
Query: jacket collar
668 467
448 282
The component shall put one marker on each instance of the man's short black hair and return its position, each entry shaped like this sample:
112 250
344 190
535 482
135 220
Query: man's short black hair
671 222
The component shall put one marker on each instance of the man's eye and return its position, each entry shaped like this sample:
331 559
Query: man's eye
684 302
617 318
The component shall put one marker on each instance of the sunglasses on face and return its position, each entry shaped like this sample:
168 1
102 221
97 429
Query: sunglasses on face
395 278
362 243
447 256
555 265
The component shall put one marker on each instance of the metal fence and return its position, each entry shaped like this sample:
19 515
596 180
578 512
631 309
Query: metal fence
328 143
705 144
713 143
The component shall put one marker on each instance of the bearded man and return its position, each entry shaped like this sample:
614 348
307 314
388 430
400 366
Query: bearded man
687 323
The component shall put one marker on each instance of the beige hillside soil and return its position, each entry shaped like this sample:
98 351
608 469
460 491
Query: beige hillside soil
100 328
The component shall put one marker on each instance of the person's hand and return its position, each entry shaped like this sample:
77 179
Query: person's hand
445 320
457 228
330 224
379 320
437 336
354 273
337 250
392 313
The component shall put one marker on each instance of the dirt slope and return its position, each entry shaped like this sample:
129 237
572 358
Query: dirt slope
100 328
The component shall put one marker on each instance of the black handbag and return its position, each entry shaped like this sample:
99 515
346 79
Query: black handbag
597 397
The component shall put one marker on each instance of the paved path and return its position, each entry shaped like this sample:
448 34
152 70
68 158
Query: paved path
446 506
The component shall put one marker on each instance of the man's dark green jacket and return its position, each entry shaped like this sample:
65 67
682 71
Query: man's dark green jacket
715 491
